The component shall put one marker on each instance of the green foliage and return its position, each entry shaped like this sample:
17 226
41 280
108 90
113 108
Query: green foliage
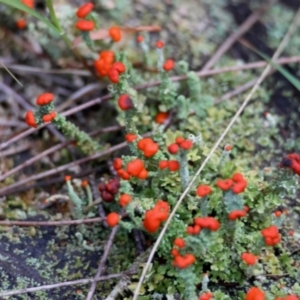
19 5
83 140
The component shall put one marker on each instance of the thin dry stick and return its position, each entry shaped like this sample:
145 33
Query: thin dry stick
240 89
27 69
67 113
248 23
28 106
15 150
51 150
58 285
250 66
102 262
233 120
85 90
10 188
57 170
152 84
50 223
90 103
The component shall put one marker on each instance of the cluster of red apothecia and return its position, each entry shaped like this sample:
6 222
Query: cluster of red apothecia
22 23
291 161
249 258
257 294
206 296
42 100
271 235
203 222
109 190
155 216
105 66
237 183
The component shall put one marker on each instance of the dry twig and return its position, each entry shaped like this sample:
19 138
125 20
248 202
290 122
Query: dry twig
50 223
102 262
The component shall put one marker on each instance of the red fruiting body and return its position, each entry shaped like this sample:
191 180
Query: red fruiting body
143 142
120 67
117 164
203 190
44 99
135 167
125 102
150 223
179 242
108 190
102 67
85 25
108 56
208 223
290 297
186 145
30 119
237 177
236 214
179 140
224 185
139 38
104 63
21 23
249 258
292 161
148 146
113 75
113 185
240 183
239 187
102 187
112 219
246 208
169 65
271 235
190 230
161 117
150 149
115 33
175 252
49 117
255 294
84 10
277 213
163 164
159 44
155 216
173 148
29 3
124 200
206 296
68 177
227 148
107 197
84 183
184 261
129 137
143 174
193 229
173 165
123 174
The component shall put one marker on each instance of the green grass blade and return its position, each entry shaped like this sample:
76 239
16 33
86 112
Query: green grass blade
19 5
288 76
